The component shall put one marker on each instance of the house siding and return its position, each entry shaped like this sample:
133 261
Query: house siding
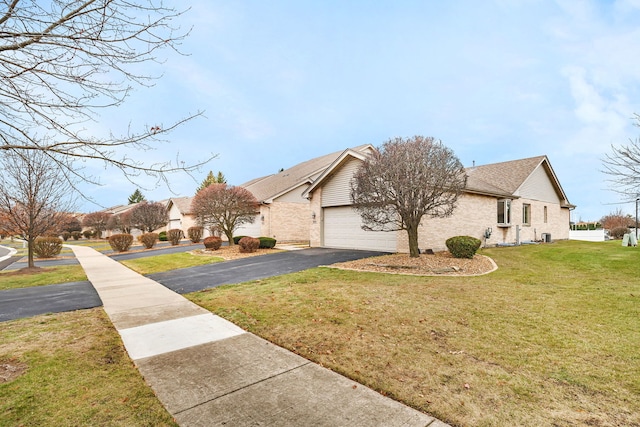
538 187
287 221
337 190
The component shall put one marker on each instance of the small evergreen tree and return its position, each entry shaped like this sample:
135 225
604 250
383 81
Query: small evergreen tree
211 179
136 197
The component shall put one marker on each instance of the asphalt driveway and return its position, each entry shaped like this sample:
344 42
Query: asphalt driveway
26 302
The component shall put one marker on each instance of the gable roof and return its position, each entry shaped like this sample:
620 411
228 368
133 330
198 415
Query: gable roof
182 203
267 188
504 179
344 157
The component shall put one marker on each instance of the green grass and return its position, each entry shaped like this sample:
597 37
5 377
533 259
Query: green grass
77 374
550 338
48 276
167 262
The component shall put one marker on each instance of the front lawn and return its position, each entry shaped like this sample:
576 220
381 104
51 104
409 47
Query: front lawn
551 338
24 278
71 369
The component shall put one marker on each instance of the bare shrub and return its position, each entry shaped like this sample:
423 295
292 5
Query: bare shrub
212 243
249 245
121 242
175 235
195 234
149 240
47 247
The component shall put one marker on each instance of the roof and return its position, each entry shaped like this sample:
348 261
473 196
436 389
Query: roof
504 179
182 203
267 188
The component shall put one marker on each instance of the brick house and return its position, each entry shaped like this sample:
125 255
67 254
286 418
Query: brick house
284 213
504 203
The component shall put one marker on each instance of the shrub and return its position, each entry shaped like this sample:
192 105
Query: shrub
47 247
174 236
195 234
248 245
76 235
463 246
236 239
65 235
121 242
149 240
87 234
618 232
212 243
267 242
162 236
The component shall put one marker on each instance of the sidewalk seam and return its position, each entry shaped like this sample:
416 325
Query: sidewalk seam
243 388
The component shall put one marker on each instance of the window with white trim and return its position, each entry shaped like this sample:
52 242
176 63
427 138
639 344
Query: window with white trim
504 212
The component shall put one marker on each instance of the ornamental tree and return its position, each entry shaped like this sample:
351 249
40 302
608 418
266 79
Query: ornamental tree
148 217
404 181
224 208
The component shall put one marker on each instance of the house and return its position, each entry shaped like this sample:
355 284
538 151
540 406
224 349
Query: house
503 203
284 213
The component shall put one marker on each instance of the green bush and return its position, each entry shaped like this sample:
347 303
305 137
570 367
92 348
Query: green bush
175 235
149 239
121 242
47 247
267 242
248 245
87 234
162 236
195 234
212 243
236 239
463 246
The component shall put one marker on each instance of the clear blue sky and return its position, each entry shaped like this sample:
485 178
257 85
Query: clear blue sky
281 82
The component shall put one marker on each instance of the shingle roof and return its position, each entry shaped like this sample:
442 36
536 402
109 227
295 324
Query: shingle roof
183 204
501 178
268 187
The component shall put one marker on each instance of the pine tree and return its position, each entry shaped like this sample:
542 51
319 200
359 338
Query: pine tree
211 179
136 197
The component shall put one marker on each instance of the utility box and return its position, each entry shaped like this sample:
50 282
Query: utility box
546 237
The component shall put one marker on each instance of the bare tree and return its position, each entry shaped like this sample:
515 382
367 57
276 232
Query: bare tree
69 223
147 217
617 219
225 208
34 196
97 221
405 180
62 61
121 221
623 165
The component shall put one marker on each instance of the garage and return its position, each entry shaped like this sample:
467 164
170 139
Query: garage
253 229
342 229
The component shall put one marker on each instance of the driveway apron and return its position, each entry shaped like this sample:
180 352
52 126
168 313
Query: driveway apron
207 371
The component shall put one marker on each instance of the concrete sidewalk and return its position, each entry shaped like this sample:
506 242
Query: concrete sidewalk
207 371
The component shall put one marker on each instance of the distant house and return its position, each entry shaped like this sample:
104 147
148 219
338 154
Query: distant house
284 212
504 203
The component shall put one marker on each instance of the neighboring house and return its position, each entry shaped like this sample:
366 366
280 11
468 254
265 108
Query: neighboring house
180 215
284 212
504 203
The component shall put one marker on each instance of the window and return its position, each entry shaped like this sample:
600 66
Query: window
526 214
545 214
504 212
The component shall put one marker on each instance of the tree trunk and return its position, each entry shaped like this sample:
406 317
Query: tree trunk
30 263
229 237
412 232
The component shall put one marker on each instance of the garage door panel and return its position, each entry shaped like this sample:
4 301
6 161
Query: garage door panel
343 229
252 230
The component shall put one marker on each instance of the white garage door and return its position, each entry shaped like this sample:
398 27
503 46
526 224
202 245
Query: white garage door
251 230
342 229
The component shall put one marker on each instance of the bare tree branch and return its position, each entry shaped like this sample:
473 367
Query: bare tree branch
63 61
